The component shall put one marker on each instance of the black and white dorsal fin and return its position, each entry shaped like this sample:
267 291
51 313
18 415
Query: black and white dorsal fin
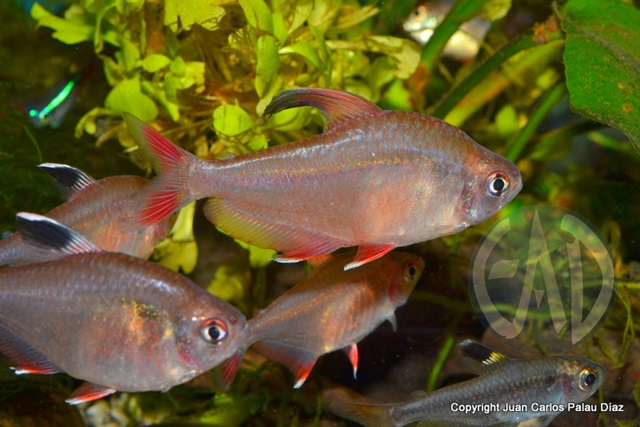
69 180
480 358
52 236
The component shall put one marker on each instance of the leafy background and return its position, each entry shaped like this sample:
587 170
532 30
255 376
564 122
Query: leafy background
554 88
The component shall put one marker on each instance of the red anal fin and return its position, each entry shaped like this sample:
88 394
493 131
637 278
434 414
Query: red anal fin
26 359
88 392
299 362
352 354
336 105
368 253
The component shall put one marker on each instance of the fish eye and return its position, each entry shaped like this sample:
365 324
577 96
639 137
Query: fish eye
588 378
410 272
497 183
213 331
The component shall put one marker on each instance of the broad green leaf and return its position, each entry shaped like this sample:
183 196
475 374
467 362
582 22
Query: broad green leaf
258 257
127 96
158 92
268 62
67 31
229 282
507 121
179 251
258 143
301 12
280 28
180 13
129 55
305 49
493 10
155 62
258 14
231 120
178 67
405 52
353 15
602 61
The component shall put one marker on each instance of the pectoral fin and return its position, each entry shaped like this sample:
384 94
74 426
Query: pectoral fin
88 392
335 105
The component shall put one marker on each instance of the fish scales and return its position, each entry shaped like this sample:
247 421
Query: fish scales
375 179
113 320
105 212
506 393
333 309
317 177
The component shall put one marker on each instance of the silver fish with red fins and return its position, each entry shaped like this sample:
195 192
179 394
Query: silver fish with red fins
332 309
374 179
104 211
117 322
530 392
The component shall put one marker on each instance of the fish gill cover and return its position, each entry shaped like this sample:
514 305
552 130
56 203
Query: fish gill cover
202 72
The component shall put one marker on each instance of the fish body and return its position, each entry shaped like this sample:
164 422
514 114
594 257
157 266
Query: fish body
333 309
103 210
507 392
115 321
375 179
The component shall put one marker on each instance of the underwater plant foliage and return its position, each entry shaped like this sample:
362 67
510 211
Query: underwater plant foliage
202 72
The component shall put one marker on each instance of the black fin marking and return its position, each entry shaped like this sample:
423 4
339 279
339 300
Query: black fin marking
69 180
48 234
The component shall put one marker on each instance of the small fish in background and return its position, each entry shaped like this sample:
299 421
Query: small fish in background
102 210
331 309
117 322
507 392
374 179
463 45
51 108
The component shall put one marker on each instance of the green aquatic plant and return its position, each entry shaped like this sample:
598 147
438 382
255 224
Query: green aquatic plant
203 72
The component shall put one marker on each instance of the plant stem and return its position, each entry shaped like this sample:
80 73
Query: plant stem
515 147
537 36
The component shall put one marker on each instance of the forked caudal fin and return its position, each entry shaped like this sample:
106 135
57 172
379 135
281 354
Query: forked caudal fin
166 192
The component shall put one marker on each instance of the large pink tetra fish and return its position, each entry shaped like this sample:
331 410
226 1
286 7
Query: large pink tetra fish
332 309
118 322
375 179
103 210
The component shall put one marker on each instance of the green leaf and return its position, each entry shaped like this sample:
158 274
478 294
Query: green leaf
180 13
301 12
268 62
155 62
67 31
258 257
127 96
305 49
602 58
231 120
405 52
179 251
129 55
258 14
229 282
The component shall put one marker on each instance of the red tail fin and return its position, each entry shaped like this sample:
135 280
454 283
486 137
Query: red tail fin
166 194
